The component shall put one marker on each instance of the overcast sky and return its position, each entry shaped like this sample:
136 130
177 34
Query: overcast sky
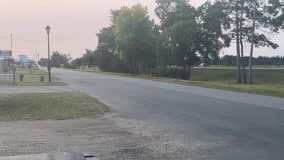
74 24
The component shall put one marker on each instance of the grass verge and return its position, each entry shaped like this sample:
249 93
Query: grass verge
32 78
266 82
43 106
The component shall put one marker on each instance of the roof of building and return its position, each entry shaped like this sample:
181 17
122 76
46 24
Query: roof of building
5 53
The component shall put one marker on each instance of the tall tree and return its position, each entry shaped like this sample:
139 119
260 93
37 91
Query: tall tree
212 22
253 14
135 38
106 57
193 33
106 40
179 23
242 13
235 9
242 5
264 15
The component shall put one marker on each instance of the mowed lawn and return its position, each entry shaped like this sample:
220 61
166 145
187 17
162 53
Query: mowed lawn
43 106
266 82
32 77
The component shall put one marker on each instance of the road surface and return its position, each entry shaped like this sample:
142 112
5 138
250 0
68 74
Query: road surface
210 124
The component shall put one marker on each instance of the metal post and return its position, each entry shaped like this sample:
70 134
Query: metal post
9 61
14 75
11 43
49 67
49 64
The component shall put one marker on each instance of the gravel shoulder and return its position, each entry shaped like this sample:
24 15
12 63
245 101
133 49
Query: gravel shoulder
106 137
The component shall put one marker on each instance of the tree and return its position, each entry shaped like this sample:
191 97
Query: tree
76 63
178 22
248 19
43 62
59 60
253 15
88 58
106 57
193 34
186 37
106 40
212 22
135 39
266 15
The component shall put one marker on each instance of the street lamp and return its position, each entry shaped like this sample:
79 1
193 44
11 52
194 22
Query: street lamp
48 46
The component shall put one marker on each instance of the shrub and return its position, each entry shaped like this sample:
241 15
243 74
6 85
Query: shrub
171 72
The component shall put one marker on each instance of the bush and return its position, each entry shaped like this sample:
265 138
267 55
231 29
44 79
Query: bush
171 72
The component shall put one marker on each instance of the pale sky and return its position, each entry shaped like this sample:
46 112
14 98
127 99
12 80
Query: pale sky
74 24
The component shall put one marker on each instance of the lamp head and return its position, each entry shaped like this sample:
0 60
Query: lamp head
47 29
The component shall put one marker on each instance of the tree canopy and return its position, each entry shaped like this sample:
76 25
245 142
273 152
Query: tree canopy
59 60
135 39
186 36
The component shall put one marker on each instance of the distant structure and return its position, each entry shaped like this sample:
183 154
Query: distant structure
5 54
6 61
23 59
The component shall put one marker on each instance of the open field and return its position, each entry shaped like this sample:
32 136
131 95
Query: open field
266 82
255 66
6 79
42 106
32 78
6 82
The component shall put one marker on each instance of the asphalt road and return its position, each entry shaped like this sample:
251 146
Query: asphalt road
210 124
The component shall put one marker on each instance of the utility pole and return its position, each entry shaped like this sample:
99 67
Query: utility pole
38 59
11 62
11 43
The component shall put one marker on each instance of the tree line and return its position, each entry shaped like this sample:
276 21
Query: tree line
57 60
186 36
261 60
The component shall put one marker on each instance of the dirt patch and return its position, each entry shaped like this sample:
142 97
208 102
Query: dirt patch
101 136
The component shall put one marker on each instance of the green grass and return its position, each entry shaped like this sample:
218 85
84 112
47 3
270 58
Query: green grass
266 82
43 106
32 78
261 76
276 90
5 83
255 66
86 69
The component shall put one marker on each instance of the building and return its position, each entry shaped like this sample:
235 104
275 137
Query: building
6 61
5 55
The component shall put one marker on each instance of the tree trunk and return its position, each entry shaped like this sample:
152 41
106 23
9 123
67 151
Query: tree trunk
190 72
244 76
239 78
252 46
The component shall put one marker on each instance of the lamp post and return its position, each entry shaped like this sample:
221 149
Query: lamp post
48 46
